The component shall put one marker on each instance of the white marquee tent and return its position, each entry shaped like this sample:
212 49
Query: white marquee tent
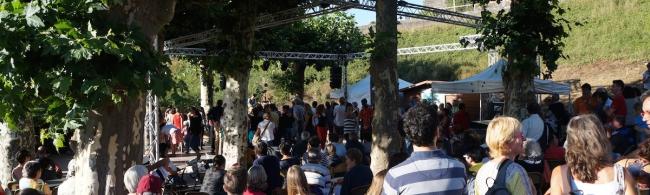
361 90
489 81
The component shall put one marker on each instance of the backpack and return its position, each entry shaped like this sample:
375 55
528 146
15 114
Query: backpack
499 186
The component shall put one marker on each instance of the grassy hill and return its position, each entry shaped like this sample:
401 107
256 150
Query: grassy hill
612 31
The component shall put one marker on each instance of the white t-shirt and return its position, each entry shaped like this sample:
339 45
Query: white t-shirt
339 115
533 127
267 135
168 129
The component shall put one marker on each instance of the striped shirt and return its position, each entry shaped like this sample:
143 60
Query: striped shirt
350 125
426 172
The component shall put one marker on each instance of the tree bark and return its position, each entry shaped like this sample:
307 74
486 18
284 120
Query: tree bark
299 78
383 71
12 141
235 122
111 141
207 88
519 89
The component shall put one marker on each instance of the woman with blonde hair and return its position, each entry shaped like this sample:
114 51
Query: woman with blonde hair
589 168
505 140
377 183
297 182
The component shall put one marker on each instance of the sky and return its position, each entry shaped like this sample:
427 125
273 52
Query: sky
364 17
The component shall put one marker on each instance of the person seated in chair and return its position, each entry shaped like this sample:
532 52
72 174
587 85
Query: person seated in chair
358 175
31 178
318 176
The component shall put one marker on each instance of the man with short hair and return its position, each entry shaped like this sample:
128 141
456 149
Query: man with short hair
366 120
586 103
618 104
316 173
340 147
314 143
271 166
533 126
213 179
339 116
299 113
428 170
357 175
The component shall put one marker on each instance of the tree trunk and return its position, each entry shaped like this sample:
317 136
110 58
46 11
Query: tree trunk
111 141
299 78
235 122
207 89
12 141
383 71
519 89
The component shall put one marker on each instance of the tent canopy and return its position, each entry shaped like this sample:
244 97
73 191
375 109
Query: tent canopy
489 81
361 90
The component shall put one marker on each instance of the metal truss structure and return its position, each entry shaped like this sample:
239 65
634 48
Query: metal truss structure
317 8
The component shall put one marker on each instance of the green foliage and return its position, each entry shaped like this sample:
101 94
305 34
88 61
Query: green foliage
529 29
60 59
187 91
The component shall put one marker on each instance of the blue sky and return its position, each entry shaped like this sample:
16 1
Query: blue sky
365 17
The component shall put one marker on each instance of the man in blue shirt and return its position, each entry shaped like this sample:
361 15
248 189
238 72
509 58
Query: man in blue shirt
428 170
271 165
358 174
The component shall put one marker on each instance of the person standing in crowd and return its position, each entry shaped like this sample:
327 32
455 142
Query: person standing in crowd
334 160
533 126
271 166
300 148
329 111
366 120
286 124
460 121
585 104
646 77
357 175
195 128
589 168
309 125
350 123
320 121
474 159
31 178
618 104
505 140
214 119
257 181
532 158
297 182
298 116
428 169
213 179
234 182
317 174
275 118
339 116
23 156
314 144
252 101
266 130
168 133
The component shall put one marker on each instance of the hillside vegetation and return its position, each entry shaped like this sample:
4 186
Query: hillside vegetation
611 30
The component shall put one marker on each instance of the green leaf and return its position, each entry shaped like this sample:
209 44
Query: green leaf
63 84
72 124
63 25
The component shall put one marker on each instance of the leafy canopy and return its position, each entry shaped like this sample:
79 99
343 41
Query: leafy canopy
531 28
60 59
